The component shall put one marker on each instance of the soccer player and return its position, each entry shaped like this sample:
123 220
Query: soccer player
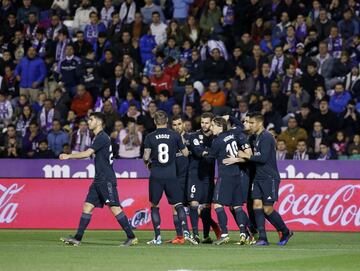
201 174
160 150
182 164
229 189
103 189
266 181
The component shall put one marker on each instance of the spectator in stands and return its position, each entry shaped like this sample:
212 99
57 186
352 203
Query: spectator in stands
61 102
31 140
127 11
25 119
81 102
301 151
264 80
119 84
165 101
111 116
191 98
305 117
216 67
137 28
43 151
57 138
130 140
288 79
323 24
6 110
195 66
279 61
348 26
9 140
242 85
339 99
148 10
81 46
272 118
60 47
297 98
105 96
316 136
161 81
210 18
350 119
281 151
324 61
354 146
325 152
23 12
149 117
106 12
191 30
130 100
147 47
31 72
292 134
81 138
158 29
47 115
93 28
68 70
339 144
278 99
312 79
214 96
82 15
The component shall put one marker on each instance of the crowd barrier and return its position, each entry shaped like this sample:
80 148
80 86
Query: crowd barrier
306 205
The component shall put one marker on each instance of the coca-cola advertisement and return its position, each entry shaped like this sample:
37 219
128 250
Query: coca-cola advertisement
306 205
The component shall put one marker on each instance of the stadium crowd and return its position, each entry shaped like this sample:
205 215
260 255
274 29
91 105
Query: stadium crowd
295 61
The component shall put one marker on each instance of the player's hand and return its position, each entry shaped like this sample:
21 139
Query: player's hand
64 156
243 155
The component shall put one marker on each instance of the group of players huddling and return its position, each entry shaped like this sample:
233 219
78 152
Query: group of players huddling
183 166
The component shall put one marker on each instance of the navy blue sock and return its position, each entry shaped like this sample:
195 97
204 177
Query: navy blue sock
250 210
232 211
84 222
177 224
206 220
182 217
222 218
194 218
155 217
260 222
124 223
241 219
276 220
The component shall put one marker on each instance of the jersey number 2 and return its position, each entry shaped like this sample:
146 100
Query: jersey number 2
163 153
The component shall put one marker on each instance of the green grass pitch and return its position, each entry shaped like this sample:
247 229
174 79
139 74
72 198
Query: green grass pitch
37 250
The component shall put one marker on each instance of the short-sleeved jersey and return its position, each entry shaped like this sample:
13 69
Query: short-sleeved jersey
104 171
264 157
225 144
182 162
198 142
164 144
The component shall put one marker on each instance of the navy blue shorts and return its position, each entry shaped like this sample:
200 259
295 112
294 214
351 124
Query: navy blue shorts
267 191
171 188
183 187
104 193
199 190
229 192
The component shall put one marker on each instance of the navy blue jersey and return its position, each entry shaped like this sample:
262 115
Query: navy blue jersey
198 142
264 157
224 145
182 162
164 144
102 147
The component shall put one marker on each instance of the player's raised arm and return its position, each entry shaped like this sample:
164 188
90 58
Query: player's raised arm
79 155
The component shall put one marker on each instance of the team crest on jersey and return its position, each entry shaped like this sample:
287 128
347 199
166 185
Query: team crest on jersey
196 142
201 137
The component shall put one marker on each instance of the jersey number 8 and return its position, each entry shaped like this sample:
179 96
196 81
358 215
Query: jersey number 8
163 153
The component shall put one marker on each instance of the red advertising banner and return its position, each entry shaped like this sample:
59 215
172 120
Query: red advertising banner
306 205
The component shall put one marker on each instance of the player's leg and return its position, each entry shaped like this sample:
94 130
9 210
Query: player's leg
156 188
194 192
237 202
250 211
179 238
257 196
270 196
222 197
125 225
206 200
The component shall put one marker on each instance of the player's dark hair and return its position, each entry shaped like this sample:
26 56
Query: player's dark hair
221 122
178 117
99 116
160 117
207 115
256 115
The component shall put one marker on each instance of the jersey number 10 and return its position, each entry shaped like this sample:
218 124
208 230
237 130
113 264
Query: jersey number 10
232 149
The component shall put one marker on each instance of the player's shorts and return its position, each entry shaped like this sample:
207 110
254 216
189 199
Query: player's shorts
183 187
103 193
200 190
228 191
267 191
171 188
